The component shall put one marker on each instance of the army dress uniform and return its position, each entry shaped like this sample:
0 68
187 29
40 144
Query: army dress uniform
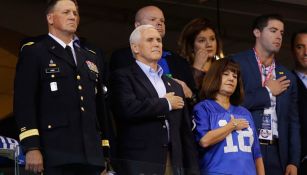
57 103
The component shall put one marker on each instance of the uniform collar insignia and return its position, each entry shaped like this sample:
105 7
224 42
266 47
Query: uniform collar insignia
92 51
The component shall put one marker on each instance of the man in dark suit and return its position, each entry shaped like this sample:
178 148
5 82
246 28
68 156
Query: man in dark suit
271 97
153 124
299 50
172 64
58 98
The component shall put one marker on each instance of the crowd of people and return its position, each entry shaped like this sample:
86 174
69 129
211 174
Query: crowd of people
158 112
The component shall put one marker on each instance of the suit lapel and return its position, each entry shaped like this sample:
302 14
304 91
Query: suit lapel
57 50
279 73
143 79
254 68
300 84
167 84
81 56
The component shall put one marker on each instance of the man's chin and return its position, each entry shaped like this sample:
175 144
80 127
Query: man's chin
72 30
276 50
157 57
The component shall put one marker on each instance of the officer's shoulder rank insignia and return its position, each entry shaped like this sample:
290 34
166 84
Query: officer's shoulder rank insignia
26 44
92 66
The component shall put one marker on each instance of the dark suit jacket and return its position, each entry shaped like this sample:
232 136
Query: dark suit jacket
140 116
67 133
257 98
302 111
178 66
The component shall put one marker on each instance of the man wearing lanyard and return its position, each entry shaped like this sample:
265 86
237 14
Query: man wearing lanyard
271 97
299 49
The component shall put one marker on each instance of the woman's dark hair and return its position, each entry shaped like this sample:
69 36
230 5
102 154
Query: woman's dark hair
189 34
213 79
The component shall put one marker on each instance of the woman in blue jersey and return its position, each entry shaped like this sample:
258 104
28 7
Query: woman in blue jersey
224 130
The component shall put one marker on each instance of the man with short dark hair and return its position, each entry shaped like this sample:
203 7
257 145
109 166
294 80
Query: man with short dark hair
58 99
271 97
299 50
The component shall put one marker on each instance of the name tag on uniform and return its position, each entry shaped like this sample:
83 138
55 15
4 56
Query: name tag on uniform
52 70
53 86
266 127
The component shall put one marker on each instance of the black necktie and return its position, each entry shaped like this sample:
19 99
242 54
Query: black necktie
69 53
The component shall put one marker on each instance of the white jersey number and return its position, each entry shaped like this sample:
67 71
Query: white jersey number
230 147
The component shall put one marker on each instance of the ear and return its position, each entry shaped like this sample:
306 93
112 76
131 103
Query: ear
135 48
256 33
49 18
137 24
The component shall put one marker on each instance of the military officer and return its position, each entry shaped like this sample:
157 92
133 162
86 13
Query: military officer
59 98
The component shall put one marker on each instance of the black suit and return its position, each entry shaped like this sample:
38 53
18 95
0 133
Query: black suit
302 107
140 115
57 104
179 67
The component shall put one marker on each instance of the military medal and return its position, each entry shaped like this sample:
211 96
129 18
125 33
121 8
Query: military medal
52 64
92 66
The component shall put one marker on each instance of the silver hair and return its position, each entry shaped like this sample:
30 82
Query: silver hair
136 34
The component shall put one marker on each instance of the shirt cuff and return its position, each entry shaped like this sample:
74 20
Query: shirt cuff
270 93
169 105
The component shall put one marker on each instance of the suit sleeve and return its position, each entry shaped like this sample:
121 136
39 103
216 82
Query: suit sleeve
127 105
103 113
189 144
26 90
294 127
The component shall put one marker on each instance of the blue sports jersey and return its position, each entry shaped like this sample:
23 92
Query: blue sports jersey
236 154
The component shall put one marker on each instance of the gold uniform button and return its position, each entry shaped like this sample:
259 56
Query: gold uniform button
82 109
49 126
52 76
81 98
80 87
78 77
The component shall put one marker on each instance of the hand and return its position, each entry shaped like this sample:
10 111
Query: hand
278 86
34 161
104 172
175 101
239 123
186 90
291 170
201 57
